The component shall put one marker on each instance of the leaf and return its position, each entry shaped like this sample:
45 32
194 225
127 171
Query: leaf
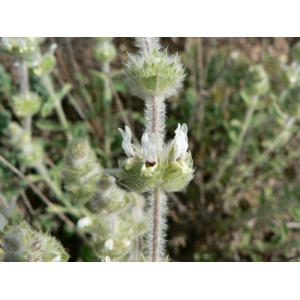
256 257
64 91
295 213
245 96
115 73
5 117
236 123
5 81
120 86
79 130
48 125
98 74
233 135
47 107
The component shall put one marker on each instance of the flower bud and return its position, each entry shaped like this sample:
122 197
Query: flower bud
105 52
24 244
153 72
257 81
27 107
108 198
32 154
81 170
17 135
114 244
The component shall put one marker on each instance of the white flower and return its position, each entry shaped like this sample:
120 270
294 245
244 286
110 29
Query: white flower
149 154
126 144
149 148
180 142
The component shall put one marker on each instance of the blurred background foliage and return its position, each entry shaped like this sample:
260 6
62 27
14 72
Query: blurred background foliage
241 103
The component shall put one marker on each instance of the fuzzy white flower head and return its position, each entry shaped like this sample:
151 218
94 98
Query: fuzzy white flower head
126 144
149 153
180 142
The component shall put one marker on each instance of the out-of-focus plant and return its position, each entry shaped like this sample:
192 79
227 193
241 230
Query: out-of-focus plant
23 244
247 147
107 211
113 217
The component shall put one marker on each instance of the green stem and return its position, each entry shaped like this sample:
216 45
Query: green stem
24 90
59 110
107 120
42 170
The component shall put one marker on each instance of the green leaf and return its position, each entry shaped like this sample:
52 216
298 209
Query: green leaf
64 91
236 123
47 107
5 117
5 82
120 86
233 135
295 212
48 125
98 74
256 257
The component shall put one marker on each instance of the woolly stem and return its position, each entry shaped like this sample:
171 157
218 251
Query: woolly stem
105 67
158 225
155 120
155 123
24 89
23 78
107 101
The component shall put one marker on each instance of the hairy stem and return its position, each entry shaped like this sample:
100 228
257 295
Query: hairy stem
155 123
107 120
158 225
23 78
155 120
24 89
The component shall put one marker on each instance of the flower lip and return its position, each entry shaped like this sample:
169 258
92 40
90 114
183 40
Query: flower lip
126 144
180 142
